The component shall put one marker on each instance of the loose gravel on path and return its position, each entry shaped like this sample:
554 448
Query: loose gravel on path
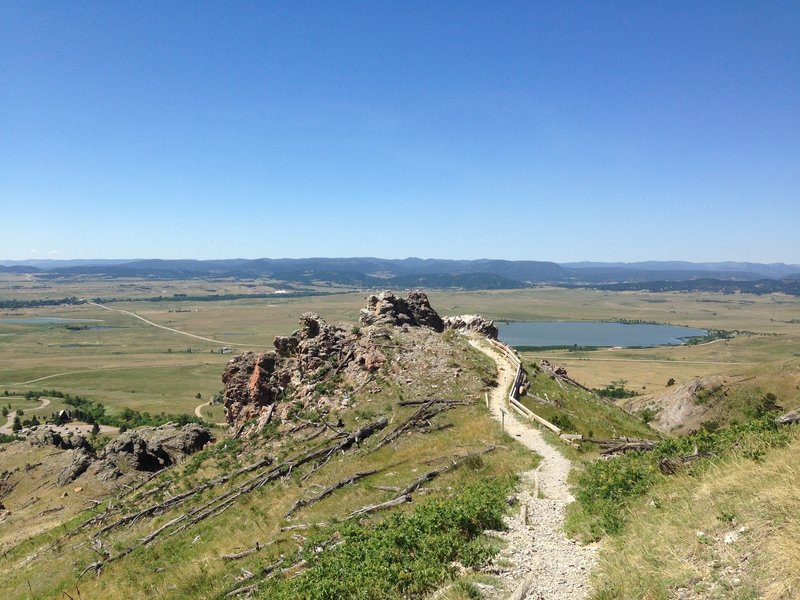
559 566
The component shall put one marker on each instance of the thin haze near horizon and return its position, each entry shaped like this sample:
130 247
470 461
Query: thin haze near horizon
618 131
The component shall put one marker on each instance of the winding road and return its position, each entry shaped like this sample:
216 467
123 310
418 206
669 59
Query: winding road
546 563
7 427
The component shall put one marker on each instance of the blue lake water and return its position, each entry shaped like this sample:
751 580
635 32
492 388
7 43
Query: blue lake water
47 320
592 333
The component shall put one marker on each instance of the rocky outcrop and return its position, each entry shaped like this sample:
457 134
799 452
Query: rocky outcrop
475 323
388 309
146 449
82 459
47 437
150 449
306 369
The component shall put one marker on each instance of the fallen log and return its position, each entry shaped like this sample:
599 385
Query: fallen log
435 401
405 494
523 587
420 418
643 446
383 505
328 491
248 552
670 466
789 418
226 500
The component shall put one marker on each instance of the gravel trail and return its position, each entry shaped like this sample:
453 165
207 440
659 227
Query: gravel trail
556 567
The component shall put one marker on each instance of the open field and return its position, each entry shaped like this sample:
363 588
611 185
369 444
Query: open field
122 361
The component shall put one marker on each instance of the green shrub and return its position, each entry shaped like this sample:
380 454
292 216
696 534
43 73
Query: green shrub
406 555
606 488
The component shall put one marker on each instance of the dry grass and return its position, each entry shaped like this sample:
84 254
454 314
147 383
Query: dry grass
662 552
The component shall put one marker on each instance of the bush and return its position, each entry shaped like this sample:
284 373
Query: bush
606 488
403 556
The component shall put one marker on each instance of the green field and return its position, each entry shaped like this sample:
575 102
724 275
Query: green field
123 361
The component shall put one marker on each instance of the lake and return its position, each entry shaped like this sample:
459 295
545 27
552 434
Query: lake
47 320
593 333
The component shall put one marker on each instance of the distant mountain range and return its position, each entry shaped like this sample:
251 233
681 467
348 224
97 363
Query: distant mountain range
367 272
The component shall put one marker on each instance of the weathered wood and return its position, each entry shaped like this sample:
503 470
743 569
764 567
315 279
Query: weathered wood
248 552
328 490
270 410
643 446
670 466
420 418
789 418
523 587
383 505
405 494
242 590
226 500
433 401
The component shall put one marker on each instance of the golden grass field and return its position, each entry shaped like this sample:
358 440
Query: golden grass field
128 362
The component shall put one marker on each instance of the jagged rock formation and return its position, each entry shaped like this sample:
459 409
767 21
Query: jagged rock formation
47 437
258 383
150 449
306 369
388 309
146 449
475 323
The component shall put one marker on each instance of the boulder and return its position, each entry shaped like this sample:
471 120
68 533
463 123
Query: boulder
475 323
81 460
388 309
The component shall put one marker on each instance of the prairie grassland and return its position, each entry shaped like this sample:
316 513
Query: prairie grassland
123 361
676 536
126 362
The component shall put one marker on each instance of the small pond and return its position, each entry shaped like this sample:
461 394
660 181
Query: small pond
593 333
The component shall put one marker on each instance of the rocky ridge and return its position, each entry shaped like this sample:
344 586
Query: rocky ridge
310 368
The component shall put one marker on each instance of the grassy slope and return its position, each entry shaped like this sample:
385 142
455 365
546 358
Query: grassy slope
188 564
587 414
675 537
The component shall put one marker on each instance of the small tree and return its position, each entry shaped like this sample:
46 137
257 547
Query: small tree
17 424
5 411
199 396
95 429
20 412
670 381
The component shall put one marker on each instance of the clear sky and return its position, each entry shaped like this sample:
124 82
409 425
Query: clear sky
558 131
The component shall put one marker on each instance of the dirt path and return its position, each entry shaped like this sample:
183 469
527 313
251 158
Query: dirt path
164 327
10 423
556 567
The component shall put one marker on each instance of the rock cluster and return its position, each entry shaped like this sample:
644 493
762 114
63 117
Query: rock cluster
258 382
262 386
150 449
388 309
473 323
146 449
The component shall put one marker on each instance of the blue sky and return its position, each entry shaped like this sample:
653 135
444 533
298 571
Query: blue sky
617 131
